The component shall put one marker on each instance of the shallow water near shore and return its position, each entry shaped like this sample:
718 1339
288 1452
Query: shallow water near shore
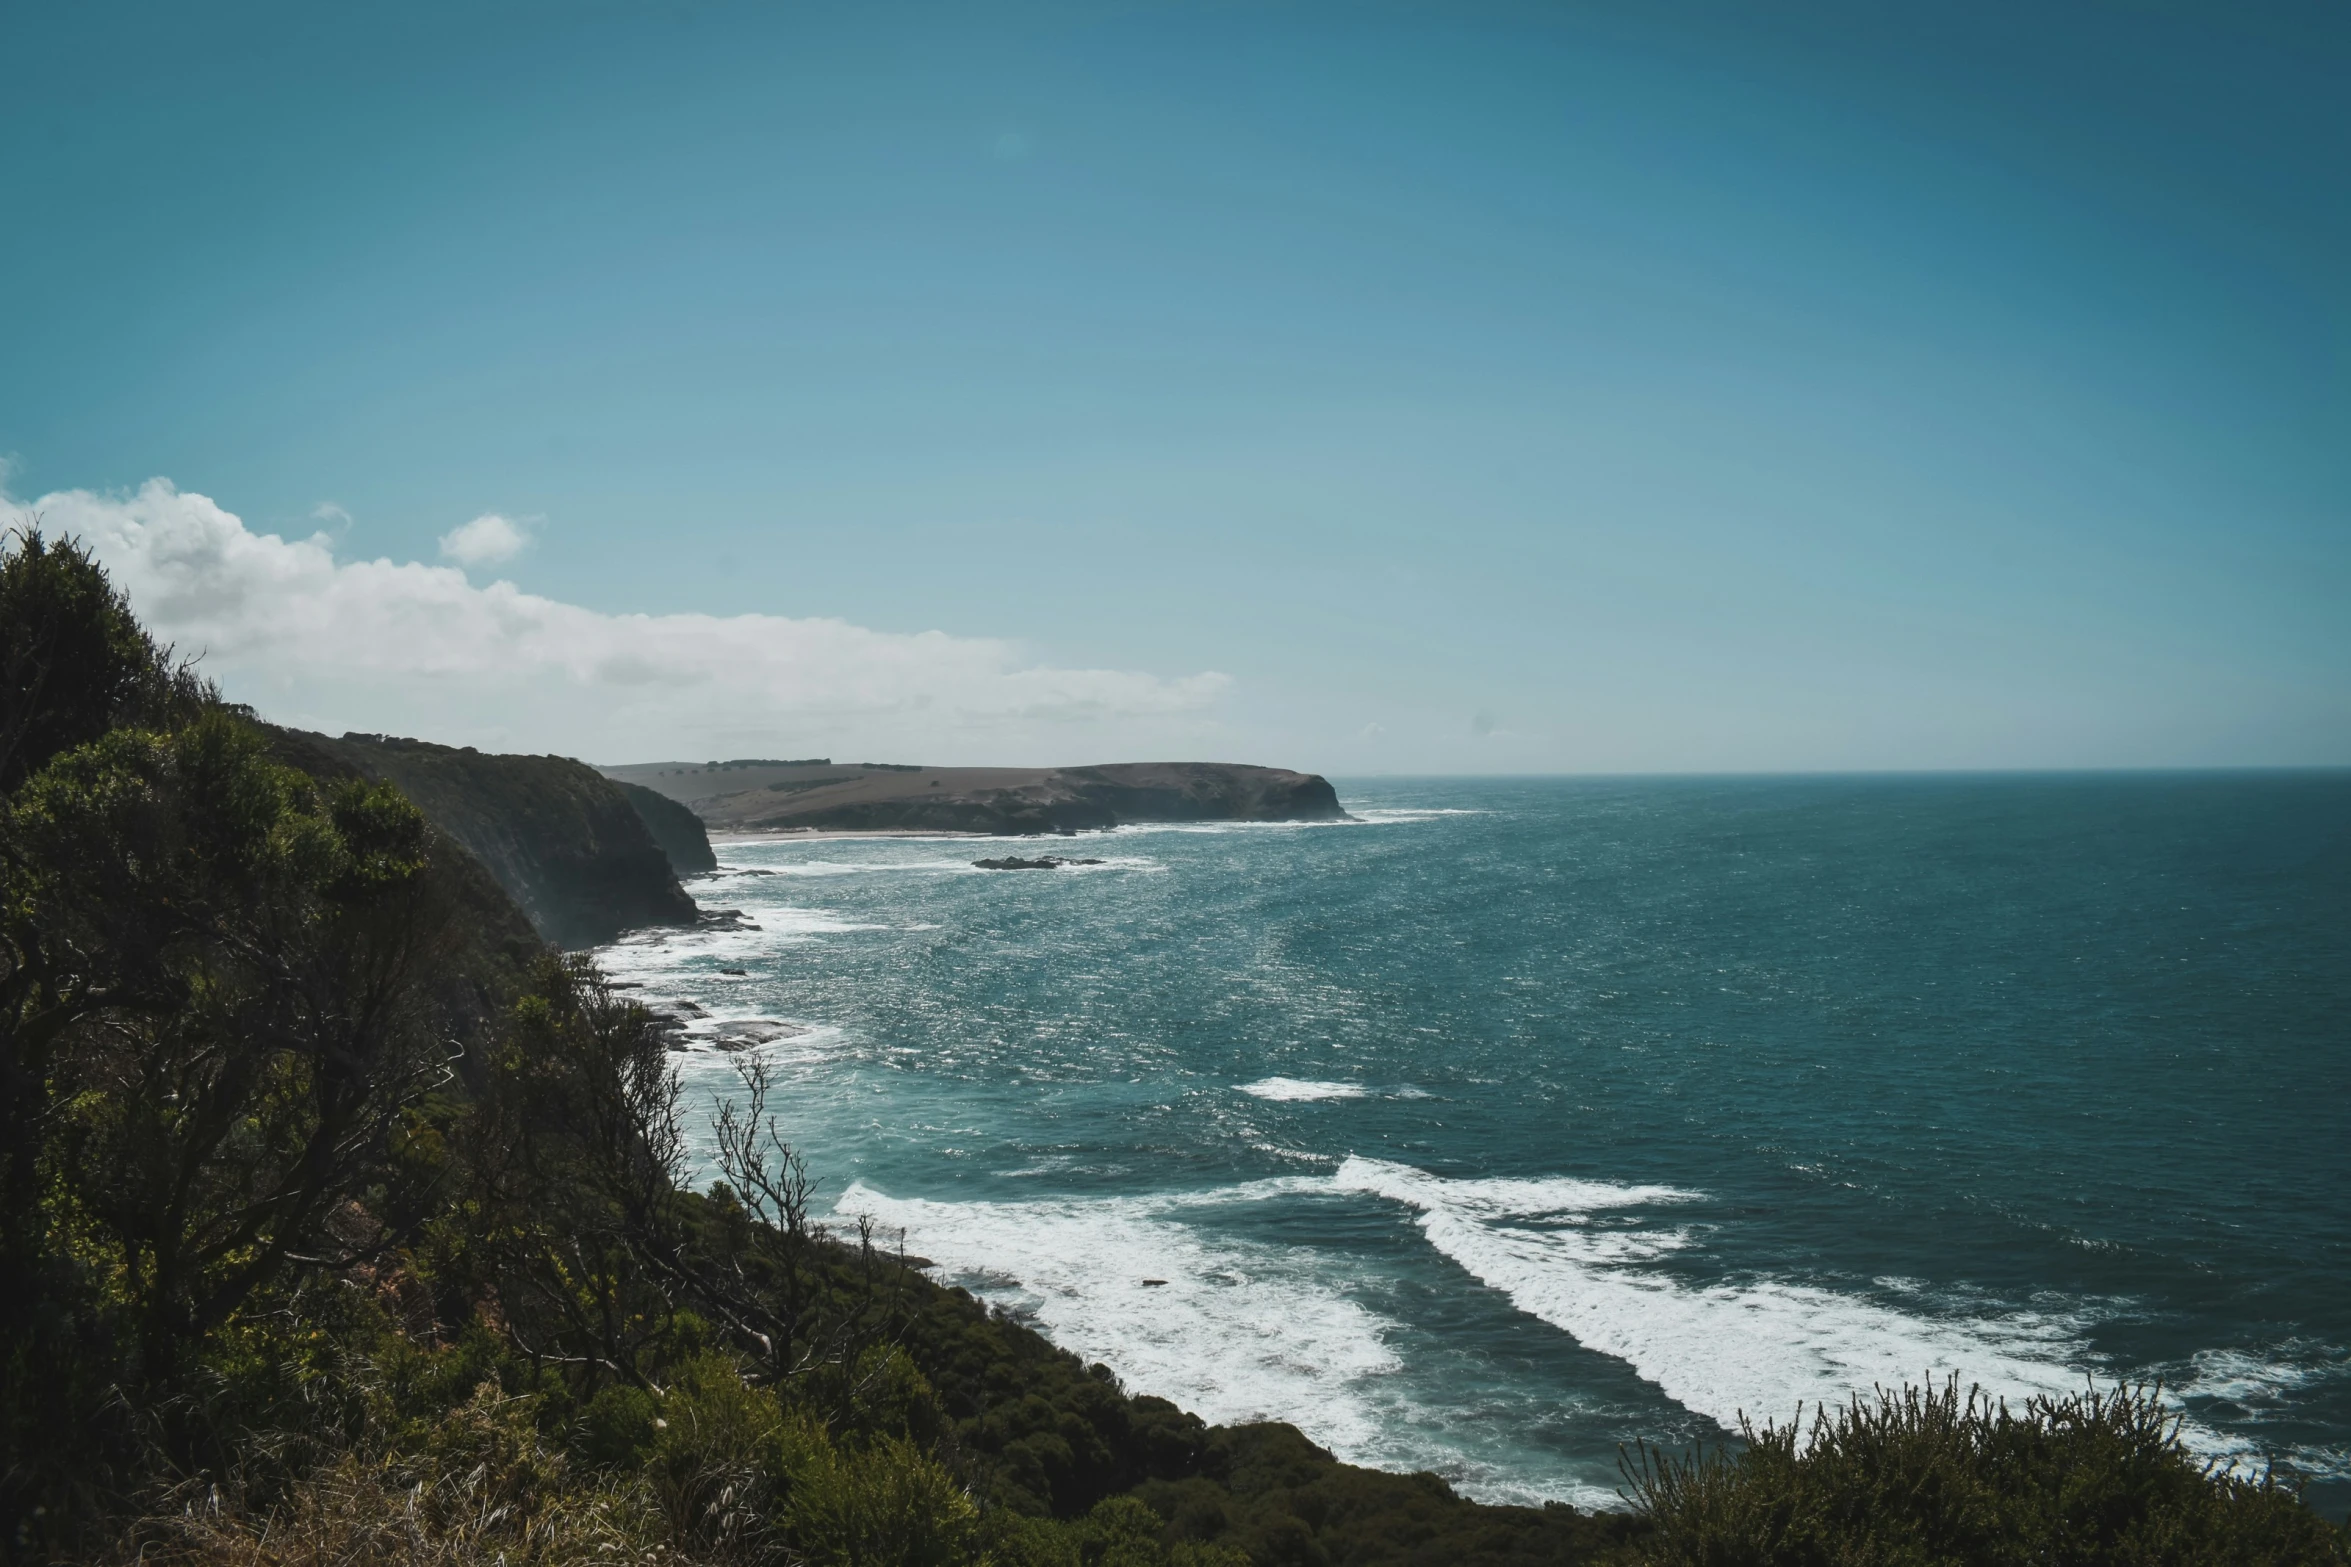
1522 1119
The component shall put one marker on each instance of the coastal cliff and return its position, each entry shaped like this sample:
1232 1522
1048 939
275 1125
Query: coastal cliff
676 829
567 844
807 795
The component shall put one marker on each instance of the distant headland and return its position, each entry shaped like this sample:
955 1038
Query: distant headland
816 794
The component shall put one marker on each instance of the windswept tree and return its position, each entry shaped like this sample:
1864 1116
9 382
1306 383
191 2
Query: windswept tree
218 982
224 975
74 662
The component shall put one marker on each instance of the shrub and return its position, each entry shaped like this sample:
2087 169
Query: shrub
724 1457
887 1505
1928 1477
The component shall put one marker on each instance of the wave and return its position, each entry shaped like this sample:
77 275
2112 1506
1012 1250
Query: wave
823 868
1757 1349
2253 1388
1237 1330
2260 1382
1289 1090
766 925
1210 829
1230 1330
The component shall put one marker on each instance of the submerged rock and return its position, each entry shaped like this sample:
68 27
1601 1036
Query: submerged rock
1043 862
750 1035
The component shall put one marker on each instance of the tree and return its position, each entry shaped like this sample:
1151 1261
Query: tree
216 1003
73 660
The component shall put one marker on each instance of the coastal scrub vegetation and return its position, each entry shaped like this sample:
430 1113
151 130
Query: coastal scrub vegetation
1933 1476
343 1222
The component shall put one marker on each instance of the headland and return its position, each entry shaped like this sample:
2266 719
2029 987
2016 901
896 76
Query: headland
816 795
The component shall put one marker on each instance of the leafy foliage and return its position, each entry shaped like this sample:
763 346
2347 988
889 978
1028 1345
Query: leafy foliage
1931 1477
73 661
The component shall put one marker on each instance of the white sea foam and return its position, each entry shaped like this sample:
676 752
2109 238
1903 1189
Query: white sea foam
823 868
1296 1089
1215 829
2261 1386
1235 1331
1757 1348
2252 1380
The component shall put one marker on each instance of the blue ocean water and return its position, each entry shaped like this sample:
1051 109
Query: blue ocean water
1523 1119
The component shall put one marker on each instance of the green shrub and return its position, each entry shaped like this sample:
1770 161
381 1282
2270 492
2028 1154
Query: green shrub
618 1427
724 1459
886 1505
1931 1478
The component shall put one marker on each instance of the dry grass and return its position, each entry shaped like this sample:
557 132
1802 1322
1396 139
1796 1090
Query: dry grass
485 1492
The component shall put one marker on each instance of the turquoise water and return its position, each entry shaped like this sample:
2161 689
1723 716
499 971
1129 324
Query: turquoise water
1522 1119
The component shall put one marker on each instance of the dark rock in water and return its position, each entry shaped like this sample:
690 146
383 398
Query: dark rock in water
760 1031
1043 862
738 973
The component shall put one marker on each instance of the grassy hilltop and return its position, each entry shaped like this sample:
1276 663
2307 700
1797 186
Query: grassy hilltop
341 1221
816 794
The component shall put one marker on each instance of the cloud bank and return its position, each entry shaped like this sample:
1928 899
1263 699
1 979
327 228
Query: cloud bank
420 649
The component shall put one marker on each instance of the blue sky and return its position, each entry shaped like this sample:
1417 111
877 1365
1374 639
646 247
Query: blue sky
1358 387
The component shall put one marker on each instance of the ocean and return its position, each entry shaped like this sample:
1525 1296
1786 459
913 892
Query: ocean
1522 1120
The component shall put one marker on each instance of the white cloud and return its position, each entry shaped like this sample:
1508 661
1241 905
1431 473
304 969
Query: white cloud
417 649
485 541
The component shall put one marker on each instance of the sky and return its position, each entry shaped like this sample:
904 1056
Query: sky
1368 388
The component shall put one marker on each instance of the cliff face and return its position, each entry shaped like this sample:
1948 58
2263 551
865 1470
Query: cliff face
788 796
1206 792
563 841
676 829
498 943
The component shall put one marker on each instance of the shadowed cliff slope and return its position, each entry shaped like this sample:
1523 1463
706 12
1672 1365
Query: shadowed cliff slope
677 829
563 841
756 796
